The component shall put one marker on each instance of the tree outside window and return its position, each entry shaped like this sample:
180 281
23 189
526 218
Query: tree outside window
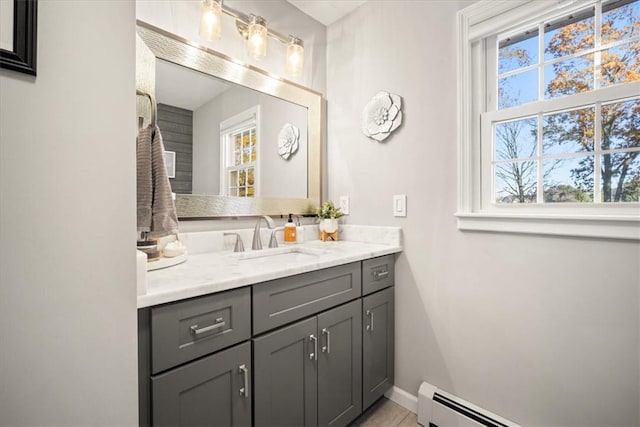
565 154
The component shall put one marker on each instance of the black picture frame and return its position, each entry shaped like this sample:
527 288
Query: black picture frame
25 29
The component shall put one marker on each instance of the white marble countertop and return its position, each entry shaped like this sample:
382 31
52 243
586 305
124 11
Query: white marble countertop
206 273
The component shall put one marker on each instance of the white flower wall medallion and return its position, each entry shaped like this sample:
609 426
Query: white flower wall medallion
288 139
382 115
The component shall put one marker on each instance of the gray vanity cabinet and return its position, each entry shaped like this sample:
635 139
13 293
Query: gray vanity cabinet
213 391
310 373
377 345
311 349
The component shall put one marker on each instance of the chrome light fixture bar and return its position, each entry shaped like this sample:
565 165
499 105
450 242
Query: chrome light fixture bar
254 30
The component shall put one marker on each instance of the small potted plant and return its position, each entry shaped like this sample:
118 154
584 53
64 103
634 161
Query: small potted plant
328 215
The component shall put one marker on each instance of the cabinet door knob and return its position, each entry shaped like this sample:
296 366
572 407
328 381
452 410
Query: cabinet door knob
370 316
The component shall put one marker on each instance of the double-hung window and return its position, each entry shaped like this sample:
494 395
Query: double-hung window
549 115
239 154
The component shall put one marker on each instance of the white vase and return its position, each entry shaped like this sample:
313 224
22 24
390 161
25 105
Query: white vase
328 225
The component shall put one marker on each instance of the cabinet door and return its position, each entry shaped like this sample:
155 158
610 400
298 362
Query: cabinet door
285 376
340 365
214 391
377 345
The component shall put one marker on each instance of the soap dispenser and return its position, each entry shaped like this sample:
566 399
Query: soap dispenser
299 231
290 231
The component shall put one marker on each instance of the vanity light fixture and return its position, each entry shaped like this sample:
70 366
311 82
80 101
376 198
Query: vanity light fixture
257 37
253 29
295 56
211 19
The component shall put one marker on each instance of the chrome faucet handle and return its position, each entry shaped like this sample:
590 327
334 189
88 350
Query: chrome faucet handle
273 241
239 246
256 244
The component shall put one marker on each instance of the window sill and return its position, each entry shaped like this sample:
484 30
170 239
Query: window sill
596 226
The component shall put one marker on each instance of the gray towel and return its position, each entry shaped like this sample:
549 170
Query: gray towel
156 211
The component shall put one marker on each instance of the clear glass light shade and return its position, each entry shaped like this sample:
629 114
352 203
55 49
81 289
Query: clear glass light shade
257 37
295 56
211 20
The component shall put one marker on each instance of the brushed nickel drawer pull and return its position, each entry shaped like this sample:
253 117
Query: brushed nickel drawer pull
327 348
378 275
314 355
370 325
244 391
220 323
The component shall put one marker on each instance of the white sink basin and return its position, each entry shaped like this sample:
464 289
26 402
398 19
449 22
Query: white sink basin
293 253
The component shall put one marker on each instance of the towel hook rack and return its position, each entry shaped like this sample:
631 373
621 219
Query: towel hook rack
153 104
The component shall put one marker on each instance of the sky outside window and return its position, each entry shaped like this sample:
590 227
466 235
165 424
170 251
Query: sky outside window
568 65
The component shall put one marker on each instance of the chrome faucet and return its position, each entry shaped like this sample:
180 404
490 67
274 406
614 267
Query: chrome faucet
257 242
239 246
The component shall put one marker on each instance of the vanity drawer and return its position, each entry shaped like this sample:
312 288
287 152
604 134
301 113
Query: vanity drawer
186 330
377 273
282 301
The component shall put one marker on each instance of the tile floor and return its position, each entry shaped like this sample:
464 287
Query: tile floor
385 413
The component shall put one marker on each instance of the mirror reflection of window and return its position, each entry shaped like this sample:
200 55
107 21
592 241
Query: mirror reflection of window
240 154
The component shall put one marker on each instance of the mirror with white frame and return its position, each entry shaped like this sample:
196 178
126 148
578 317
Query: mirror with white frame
224 120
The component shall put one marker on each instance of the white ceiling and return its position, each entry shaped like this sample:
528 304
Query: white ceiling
185 88
326 11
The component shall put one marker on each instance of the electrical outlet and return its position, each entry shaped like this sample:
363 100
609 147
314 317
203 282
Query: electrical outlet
344 204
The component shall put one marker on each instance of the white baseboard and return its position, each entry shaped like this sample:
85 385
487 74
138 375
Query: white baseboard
403 398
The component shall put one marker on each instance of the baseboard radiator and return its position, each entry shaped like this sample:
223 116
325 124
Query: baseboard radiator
437 408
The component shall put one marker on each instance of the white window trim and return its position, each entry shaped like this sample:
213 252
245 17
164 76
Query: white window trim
476 22
252 115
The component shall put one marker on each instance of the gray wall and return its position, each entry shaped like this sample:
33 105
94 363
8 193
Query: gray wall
206 148
176 127
67 222
541 330
278 177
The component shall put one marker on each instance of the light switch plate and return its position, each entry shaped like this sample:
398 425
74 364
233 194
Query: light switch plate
344 204
400 205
